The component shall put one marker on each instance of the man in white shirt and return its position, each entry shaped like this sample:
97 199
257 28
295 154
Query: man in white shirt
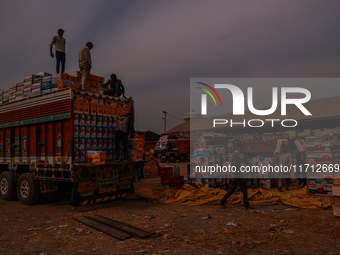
59 46
85 64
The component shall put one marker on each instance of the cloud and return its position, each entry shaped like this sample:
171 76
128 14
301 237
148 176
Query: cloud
156 46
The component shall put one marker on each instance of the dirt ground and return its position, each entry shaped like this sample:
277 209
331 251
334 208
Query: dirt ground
51 228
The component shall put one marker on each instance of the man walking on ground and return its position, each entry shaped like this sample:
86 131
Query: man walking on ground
123 130
59 45
284 158
85 64
236 161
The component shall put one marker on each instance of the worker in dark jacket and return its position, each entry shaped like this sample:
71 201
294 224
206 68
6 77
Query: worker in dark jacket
114 87
123 130
236 161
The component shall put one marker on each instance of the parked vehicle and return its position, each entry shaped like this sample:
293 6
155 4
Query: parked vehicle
173 149
47 143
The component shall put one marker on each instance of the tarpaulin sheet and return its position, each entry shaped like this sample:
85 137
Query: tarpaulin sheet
189 195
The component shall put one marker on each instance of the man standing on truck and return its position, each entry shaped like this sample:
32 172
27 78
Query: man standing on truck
85 64
123 130
59 45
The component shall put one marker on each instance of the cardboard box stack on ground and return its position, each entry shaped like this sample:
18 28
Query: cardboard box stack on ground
322 151
336 206
136 148
151 169
170 177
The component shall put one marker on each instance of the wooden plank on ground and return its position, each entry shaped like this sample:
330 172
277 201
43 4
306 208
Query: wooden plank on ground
116 233
336 210
337 232
337 221
337 201
336 190
124 227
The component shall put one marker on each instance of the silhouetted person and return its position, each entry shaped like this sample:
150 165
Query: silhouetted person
300 160
284 158
114 87
123 130
59 46
236 161
85 64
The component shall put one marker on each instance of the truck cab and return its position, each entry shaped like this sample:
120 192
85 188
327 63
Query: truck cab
168 149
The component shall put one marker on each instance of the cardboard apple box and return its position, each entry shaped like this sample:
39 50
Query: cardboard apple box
96 157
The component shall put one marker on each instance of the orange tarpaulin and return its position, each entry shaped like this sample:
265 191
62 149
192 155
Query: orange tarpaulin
189 195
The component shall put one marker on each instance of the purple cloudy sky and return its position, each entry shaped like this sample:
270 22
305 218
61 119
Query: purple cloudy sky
156 46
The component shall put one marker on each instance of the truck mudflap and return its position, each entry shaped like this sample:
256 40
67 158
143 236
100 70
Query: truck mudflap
96 194
95 184
103 199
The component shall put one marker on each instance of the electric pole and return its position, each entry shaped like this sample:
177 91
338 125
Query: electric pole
164 118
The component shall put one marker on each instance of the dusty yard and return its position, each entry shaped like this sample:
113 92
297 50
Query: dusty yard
50 228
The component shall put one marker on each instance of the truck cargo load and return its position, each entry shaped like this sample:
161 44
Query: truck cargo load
63 137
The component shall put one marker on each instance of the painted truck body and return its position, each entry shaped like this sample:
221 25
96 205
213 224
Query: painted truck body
44 141
172 149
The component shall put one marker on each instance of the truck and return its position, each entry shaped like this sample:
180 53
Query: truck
63 140
172 149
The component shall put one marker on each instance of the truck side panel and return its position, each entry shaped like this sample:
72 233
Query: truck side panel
8 146
24 144
32 145
2 146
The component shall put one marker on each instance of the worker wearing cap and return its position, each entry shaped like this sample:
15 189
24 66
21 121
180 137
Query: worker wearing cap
59 44
85 64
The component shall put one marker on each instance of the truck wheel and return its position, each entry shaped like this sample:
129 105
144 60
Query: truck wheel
28 190
183 158
172 158
7 186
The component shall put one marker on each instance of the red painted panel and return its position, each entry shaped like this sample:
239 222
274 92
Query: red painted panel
2 145
58 136
37 111
42 140
50 139
32 140
67 137
16 144
24 141
8 145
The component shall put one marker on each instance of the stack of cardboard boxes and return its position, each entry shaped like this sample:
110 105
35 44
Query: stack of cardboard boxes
170 177
336 206
323 159
41 83
94 127
151 169
136 148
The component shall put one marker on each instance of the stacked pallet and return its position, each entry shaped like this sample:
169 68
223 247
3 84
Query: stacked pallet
323 151
42 82
336 207
151 169
170 177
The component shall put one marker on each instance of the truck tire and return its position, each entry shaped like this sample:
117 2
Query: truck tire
28 190
7 186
